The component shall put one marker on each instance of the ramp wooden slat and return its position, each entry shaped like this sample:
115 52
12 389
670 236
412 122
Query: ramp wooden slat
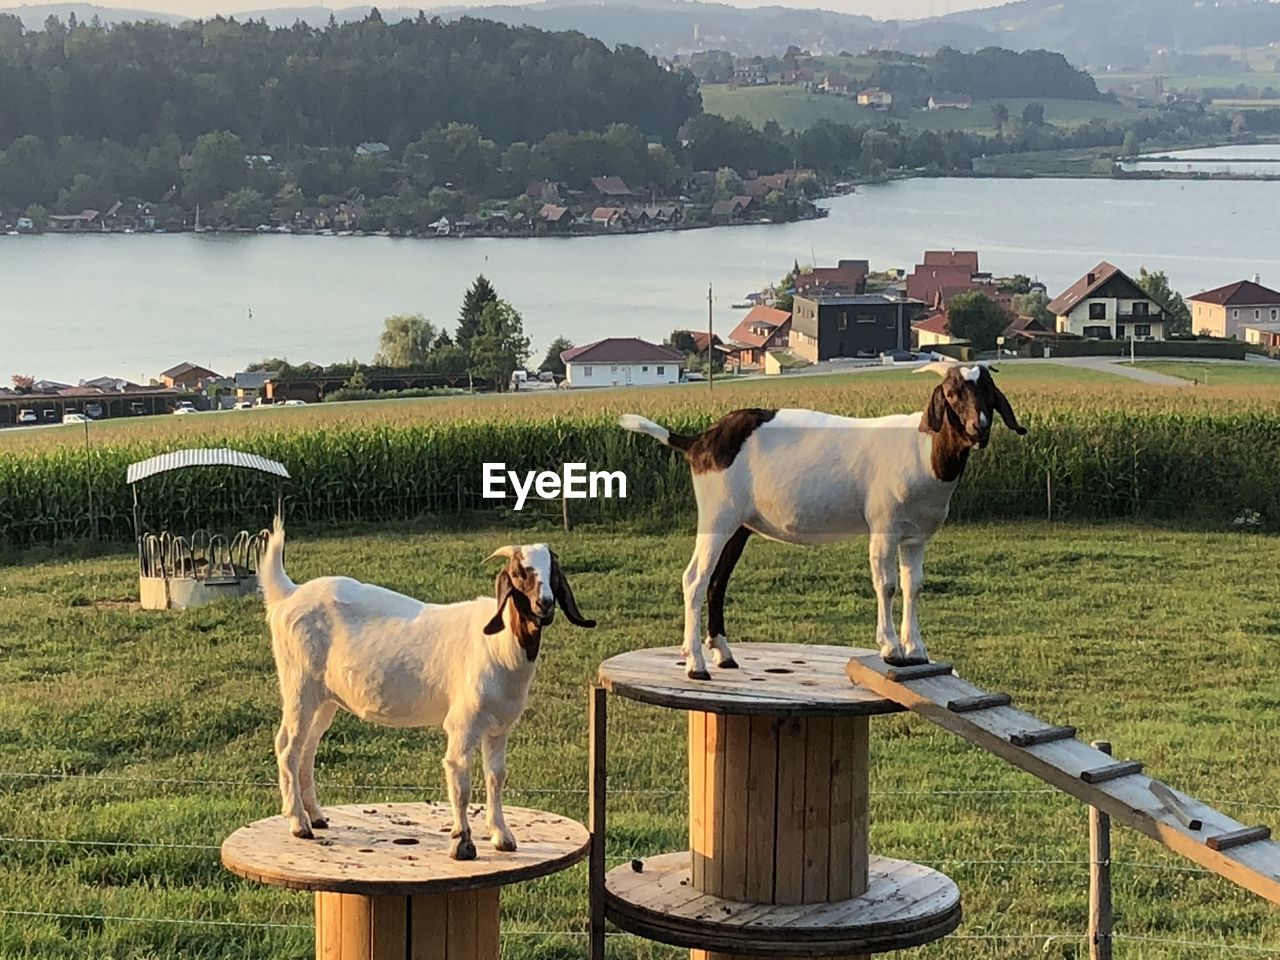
1254 865
1029 738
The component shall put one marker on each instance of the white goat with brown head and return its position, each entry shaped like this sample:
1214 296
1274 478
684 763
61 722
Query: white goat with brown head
805 477
395 661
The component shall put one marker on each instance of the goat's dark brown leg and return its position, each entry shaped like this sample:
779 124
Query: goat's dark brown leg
716 593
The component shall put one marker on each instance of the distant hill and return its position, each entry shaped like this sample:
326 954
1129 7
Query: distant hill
1092 33
1101 32
664 27
33 16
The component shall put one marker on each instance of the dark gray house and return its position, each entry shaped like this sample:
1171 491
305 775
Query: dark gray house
826 326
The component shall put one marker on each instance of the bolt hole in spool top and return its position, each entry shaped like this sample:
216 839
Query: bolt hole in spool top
777 670
405 841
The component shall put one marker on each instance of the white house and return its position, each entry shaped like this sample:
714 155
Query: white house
1105 304
621 361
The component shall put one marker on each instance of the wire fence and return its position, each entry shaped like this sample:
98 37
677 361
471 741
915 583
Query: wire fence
615 857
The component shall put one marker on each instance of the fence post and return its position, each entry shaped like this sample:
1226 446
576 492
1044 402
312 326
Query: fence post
1048 494
1100 877
598 720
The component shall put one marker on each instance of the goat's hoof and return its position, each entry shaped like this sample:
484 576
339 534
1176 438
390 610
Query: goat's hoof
504 844
463 849
319 823
303 833
730 664
698 674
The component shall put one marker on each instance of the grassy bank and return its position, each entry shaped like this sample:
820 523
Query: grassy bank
797 109
134 742
1098 448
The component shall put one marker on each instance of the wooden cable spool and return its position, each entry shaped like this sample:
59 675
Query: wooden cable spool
385 886
778 861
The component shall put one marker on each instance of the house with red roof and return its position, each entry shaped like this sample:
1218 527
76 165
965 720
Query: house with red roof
761 330
552 217
621 361
934 330
945 274
611 218
611 188
1224 311
847 277
1107 304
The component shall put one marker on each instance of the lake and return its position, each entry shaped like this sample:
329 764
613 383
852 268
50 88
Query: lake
131 306
1246 159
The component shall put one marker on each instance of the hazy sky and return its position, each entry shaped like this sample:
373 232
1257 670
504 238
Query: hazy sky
876 8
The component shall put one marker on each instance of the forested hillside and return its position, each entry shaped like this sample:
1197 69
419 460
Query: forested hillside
337 85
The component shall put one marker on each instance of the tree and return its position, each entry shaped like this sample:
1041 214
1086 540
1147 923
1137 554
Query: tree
268 365
406 341
728 183
499 346
247 207
479 296
1036 306
1155 285
552 360
217 167
25 172
683 341
1018 283
1000 114
978 319
1033 114
1131 145
23 383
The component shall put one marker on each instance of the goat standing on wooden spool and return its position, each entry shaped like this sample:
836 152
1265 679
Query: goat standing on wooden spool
800 476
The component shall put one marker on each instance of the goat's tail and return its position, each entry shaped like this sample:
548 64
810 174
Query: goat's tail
638 424
275 583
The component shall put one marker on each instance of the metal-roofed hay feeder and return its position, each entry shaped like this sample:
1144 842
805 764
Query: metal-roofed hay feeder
176 571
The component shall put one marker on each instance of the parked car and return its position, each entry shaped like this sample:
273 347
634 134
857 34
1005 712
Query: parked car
185 406
74 418
243 405
294 403
546 376
899 356
27 416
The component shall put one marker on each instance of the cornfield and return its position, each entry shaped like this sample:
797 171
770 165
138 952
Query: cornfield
1093 453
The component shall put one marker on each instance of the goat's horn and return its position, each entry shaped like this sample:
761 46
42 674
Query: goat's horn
505 552
938 367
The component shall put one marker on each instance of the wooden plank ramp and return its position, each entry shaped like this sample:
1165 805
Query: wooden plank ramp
1241 853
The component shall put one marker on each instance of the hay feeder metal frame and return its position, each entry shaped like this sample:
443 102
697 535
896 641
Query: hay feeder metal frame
174 571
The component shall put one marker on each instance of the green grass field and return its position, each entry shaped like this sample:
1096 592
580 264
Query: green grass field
1087 162
135 741
796 109
1226 374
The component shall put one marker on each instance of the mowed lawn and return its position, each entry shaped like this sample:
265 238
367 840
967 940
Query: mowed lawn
1218 374
133 741
797 109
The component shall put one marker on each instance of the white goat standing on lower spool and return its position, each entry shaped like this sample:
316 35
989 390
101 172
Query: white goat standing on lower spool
805 477
398 662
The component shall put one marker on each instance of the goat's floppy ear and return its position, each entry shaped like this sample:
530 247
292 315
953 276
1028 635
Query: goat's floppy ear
935 415
502 588
564 595
1006 412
